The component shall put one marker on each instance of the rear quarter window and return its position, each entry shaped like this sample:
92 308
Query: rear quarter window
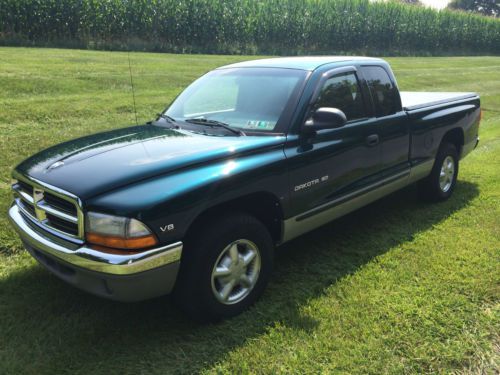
384 93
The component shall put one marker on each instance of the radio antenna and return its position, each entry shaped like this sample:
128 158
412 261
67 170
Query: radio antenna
132 86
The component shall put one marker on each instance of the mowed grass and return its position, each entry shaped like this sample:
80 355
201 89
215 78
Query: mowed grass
397 287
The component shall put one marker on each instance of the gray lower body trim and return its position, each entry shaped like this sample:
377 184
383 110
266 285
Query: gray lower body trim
312 219
421 170
125 288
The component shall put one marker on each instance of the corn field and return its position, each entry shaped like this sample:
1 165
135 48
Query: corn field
247 26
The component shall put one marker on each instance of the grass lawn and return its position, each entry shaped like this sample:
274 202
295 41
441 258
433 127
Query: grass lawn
397 287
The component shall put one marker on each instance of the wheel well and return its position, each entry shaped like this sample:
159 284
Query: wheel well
264 206
455 137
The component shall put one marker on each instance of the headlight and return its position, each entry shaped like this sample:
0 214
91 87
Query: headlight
118 232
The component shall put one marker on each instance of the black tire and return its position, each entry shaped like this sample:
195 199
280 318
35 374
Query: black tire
196 286
430 188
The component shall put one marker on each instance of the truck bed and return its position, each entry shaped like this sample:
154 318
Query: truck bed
418 100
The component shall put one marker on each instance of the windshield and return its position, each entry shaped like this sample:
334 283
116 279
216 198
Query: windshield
252 99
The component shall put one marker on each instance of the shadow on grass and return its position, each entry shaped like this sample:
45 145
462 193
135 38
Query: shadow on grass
48 326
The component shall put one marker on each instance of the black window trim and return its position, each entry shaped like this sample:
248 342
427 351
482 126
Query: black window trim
393 83
336 71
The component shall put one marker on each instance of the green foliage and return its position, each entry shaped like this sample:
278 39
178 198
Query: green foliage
485 7
247 26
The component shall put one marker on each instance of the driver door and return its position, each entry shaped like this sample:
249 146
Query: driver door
333 163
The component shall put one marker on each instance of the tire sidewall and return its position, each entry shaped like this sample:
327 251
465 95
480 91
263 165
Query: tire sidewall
205 252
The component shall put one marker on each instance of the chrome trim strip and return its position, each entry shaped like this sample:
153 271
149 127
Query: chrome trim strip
94 260
22 194
22 208
53 189
52 211
37 197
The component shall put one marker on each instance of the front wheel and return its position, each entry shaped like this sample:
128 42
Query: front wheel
440 183
226 268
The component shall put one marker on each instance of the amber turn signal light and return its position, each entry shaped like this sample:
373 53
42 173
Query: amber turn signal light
134 243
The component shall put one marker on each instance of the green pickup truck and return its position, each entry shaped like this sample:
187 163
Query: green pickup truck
248 157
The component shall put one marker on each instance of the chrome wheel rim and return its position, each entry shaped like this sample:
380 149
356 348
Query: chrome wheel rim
447 174
236 272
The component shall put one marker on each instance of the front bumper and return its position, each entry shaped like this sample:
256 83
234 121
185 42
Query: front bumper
130 277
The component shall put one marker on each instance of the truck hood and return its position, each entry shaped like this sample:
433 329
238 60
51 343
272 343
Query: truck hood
95 164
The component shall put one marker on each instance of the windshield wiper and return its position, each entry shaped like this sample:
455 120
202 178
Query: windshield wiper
214 123
167 117
170 120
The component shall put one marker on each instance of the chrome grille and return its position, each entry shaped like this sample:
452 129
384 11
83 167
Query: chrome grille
51 208
26 208
61 204
27 188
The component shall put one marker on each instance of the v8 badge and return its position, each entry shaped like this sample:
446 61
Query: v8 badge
167 228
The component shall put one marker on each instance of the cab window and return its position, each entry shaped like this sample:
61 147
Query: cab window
342 91
385 95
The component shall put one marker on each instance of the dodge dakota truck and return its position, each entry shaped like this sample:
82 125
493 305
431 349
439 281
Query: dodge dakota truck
246 158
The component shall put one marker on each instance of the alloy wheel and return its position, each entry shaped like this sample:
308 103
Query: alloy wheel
236 272
447 174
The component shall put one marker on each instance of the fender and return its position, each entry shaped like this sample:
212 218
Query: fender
169 204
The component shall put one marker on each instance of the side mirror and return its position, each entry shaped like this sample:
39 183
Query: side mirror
325 118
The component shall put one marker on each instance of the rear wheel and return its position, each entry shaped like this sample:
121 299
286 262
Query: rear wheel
225 269
440 183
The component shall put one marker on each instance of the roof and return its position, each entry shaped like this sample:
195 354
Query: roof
303 63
